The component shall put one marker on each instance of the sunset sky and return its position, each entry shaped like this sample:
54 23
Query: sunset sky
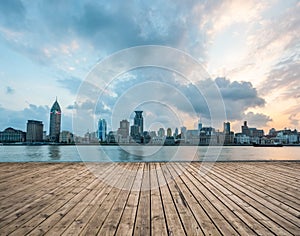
250 49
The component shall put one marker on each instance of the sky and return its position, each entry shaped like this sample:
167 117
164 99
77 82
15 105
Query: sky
248 50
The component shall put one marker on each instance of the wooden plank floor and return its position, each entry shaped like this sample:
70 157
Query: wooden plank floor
176 198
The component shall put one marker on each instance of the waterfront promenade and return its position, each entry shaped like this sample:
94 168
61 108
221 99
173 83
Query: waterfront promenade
176 198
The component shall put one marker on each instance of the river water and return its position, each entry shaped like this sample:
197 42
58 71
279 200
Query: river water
54 153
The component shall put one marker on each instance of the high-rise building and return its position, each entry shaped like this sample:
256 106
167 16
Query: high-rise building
169 132
55 122
183 132
34 131
226 128
200 125
139 121
176 132
245 129
134 131
124 128
102 130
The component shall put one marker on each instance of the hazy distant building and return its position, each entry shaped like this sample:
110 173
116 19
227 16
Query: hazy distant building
55 122
102 130
139 121
252 132
11 135
66 137
34 131
161 132
192 136
152 134
183 132
123 131
169 132
199 126
176 132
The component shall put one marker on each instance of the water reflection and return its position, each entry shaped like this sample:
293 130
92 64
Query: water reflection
34 153
54 152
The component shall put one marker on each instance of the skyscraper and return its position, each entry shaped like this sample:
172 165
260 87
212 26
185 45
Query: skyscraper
139 121
226 128
169 132
34 131
55 122
102 129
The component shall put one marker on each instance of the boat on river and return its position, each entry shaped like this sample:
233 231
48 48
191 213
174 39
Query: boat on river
267 145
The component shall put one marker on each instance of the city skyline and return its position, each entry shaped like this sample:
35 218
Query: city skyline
249 49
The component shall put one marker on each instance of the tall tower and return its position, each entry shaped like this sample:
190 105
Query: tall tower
55 122
102 129
139 121
226 128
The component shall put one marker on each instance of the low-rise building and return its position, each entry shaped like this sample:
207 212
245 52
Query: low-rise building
11 135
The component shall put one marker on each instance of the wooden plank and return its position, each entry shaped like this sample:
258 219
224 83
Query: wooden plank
143 217
234 203
254 210
191 226
270 209
43 217
219 217
68 218
187 190
95 224
174 224
244 198
82 220
126 224
158 222
274 176
21 202
18 206
272 186
250 184
111 222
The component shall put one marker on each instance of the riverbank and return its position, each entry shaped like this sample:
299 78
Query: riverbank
183 198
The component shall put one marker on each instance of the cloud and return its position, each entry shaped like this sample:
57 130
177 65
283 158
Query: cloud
284 78
101 28
238 97
157 91
71 84
18 119
12 13
9 90
257 119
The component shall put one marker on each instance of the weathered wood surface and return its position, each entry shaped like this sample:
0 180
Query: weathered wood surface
176 198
